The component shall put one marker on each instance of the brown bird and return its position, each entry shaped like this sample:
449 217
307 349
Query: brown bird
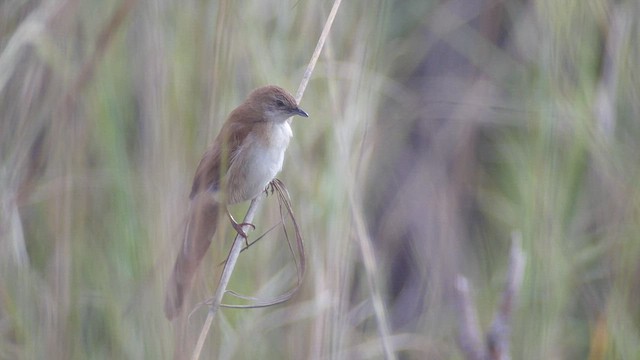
245 156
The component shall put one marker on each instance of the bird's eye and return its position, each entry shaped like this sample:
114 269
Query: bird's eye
280 103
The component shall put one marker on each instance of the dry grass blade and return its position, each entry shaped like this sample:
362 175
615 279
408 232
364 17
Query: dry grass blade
285 211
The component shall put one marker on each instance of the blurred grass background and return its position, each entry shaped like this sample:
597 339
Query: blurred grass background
441 126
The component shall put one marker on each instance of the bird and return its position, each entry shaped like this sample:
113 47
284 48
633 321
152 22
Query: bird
243 159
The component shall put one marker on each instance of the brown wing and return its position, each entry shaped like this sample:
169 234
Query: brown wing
216 160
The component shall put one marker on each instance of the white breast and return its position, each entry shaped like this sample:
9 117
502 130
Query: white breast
258 162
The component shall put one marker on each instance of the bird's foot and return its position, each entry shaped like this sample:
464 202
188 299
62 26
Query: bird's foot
269 189
238 227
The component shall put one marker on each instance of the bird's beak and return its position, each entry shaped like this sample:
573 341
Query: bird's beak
298 111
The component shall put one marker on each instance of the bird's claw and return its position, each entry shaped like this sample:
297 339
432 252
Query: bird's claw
238 227
269 188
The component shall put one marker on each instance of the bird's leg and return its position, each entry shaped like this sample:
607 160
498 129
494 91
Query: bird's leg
238 226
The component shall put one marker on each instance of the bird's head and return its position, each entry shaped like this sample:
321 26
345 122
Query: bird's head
275 103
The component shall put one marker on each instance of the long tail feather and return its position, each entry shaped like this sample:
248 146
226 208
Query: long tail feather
200 228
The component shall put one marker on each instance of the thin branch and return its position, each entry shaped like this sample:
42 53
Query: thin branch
317 51
238 243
